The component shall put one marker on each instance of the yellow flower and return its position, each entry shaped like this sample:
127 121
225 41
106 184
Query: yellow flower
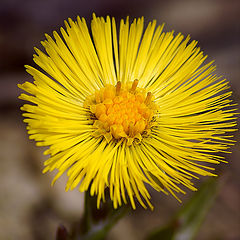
125 109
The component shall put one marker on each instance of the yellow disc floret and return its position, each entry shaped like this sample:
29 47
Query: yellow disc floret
122 111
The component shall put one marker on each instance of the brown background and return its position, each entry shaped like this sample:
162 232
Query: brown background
29 207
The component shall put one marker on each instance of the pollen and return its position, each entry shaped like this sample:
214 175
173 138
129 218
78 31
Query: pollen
122 111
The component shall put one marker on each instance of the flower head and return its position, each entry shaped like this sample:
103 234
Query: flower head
122 110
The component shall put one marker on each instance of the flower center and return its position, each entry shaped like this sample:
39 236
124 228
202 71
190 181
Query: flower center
122 111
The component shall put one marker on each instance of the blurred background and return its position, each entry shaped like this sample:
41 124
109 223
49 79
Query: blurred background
29 207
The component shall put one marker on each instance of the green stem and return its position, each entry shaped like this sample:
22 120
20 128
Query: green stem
96 223
87 217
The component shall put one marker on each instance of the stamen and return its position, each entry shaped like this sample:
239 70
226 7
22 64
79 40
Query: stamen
134 85
131 132
97 96
118 88
148 98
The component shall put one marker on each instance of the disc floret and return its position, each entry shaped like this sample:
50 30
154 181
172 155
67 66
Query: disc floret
122 111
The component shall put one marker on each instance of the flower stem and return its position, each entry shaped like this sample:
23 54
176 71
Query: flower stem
96 223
